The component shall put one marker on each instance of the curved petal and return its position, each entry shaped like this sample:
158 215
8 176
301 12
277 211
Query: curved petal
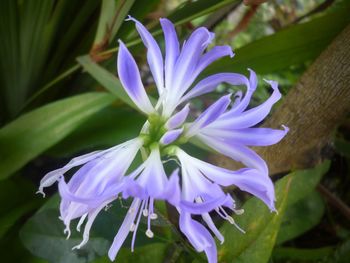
198 236
249 136
172 49
204 207
124 229
207 219
171 136
253 181
247 97
177 119
209 115
92 199
209 57
250 117
154 55
189 57
51 177
210 83
237 152
153 178
130 78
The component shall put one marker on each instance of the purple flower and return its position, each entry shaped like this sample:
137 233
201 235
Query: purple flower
227 127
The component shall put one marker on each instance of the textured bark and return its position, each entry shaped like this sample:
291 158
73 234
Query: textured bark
312 110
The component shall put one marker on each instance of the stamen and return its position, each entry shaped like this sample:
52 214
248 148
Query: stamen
149 233
137 225
132 227
121 202
153 216
238 211
232 222
108 207
145 210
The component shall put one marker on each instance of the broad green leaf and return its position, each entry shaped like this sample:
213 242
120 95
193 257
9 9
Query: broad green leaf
33 133
154 253
260 224
108 80
113 13
342 146
306 181
22 49
298 255
43 234
104 129
184 13
341 253
290 46
301 217
195 9
261 228
16 200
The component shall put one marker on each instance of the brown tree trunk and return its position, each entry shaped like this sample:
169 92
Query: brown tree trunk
312 110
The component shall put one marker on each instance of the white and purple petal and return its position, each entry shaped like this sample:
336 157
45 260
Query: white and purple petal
171 136
130 78
154 55
251 117
210 83
178 118
209 115
172 50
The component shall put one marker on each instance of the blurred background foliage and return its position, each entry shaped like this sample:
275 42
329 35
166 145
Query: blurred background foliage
59 97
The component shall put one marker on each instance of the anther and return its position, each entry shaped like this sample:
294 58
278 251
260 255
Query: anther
145 212
132 227
238 211
149 233
153 216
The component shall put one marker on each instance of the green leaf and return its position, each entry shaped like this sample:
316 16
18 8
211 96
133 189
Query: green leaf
106 79
33 133
14 206
299 255
306 181
301 217
341 254
43 234
260 224
261 228
342 146
290 46
154 253
113 13
104 129
195 9
185 13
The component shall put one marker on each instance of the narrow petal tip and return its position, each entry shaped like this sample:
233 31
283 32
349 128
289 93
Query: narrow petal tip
40 191
286 129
